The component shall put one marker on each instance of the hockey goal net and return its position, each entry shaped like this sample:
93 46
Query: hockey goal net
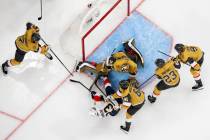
93 25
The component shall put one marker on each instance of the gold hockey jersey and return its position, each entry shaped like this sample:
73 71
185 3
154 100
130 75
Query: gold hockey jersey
192 52
130 96
124 64
25 42
168 73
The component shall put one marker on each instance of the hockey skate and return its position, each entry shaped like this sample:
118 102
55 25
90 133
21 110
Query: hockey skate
198 86
151 99
4 68
125 128
97 113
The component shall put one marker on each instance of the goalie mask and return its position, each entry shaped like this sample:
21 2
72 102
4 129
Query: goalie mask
35 37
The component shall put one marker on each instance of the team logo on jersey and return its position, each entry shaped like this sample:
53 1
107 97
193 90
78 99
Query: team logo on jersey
125 68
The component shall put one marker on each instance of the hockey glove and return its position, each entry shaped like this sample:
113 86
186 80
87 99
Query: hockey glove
44 49
96 97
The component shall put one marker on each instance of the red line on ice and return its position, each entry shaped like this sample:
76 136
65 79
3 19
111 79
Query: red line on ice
46 98
11 116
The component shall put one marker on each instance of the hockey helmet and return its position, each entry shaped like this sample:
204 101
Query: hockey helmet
28 25
124 84
110 61
134 83
179 48
35 37
159 62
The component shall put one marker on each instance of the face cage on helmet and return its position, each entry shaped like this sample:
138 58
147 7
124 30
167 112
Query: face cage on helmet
124 84
179 48
36 37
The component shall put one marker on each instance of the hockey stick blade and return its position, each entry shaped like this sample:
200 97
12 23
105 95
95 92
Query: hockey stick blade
165 54
74 81
39 18
94 82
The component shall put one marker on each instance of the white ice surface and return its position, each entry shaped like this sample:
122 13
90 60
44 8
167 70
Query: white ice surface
178 114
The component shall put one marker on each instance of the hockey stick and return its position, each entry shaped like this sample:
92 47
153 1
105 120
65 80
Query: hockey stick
39 18
165 54
104 93
170 56
57 58
147 80
94 82
75 81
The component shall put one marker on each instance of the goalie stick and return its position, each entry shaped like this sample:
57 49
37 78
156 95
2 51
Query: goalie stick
94 82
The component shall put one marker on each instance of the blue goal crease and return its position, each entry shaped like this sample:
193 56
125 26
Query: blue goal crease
149 39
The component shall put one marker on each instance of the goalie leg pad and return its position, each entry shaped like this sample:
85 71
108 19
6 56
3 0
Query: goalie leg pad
85 66
133 52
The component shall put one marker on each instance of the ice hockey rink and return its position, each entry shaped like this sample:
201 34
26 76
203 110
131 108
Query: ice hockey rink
37 101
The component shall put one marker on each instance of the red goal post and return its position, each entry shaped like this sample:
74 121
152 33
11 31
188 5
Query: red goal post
113 17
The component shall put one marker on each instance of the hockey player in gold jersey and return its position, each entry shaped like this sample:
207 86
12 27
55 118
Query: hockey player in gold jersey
133 100
122 61
193 56
118 62
128 97
24 44
167 73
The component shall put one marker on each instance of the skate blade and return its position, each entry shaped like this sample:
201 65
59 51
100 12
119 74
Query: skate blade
126 132
4 74
93 112
198 89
